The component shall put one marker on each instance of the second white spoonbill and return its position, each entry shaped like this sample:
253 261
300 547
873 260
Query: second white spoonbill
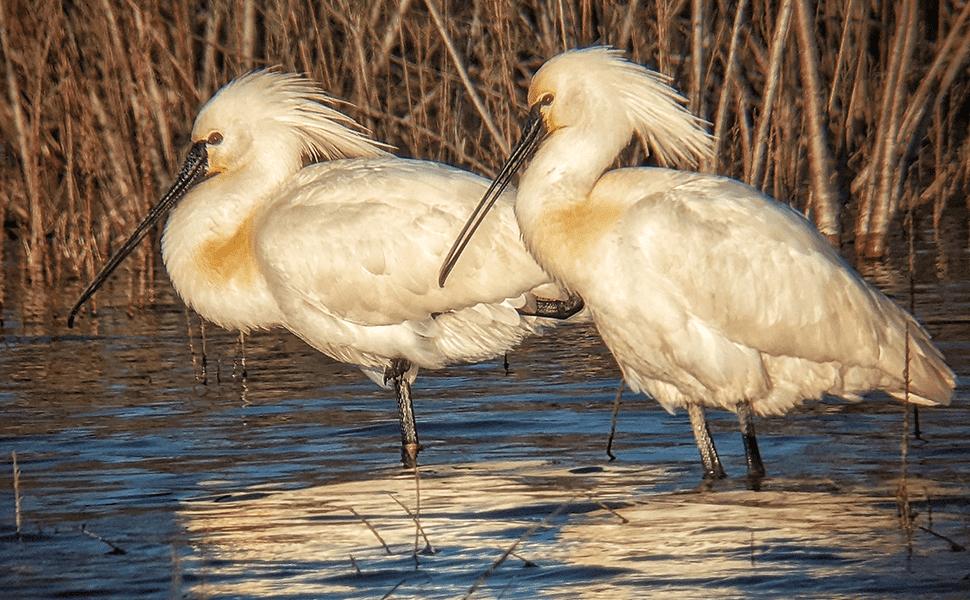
707 292
343 253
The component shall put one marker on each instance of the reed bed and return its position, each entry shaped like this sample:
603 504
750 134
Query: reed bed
854 111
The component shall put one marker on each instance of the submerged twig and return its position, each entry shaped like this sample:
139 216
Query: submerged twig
242 357
528 533
902 492
419 529
525 561
912 303
605 507
616 410
393 589
954 546
188 326
114 548
16 490
369 526
204 363
241 378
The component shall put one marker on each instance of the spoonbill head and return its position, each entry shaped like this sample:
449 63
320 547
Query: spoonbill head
343 252
707 292
247 142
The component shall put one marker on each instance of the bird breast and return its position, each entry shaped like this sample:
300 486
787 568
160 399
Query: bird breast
214 270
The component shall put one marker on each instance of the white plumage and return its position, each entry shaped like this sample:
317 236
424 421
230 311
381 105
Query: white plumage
343 253
707 292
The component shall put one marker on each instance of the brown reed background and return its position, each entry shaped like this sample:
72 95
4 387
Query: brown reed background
854 110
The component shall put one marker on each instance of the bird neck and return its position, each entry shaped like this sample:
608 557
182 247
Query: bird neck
209 249
559 217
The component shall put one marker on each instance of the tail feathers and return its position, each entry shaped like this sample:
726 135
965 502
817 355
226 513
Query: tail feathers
930 380
915 399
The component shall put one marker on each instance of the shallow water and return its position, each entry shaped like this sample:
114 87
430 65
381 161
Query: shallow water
141 478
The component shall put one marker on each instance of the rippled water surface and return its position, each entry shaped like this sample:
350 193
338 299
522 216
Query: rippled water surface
143 476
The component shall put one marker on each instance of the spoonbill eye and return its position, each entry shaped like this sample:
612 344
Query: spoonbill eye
215 138
546 100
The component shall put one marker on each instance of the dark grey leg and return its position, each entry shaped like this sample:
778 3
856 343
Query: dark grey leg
616 410
702 434
756 469
405 411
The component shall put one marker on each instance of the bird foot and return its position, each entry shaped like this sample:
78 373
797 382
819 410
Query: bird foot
397 369
553 309
409 455
715 472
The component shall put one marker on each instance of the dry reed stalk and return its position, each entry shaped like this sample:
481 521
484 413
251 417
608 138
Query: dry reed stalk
860 95
758 167
28 158
894 153
825 198
364 93
745 128
881 188
561 21
391 591
149 164
88 245
115 151
608 509
37 251
841 58
664 43
787 131
147 77
4 200
248 34
210 41
72 235
916 112
917 105
391 35
698 36
463 73
727 86
623 38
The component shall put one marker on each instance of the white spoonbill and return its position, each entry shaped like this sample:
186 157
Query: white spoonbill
343 253
707 292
